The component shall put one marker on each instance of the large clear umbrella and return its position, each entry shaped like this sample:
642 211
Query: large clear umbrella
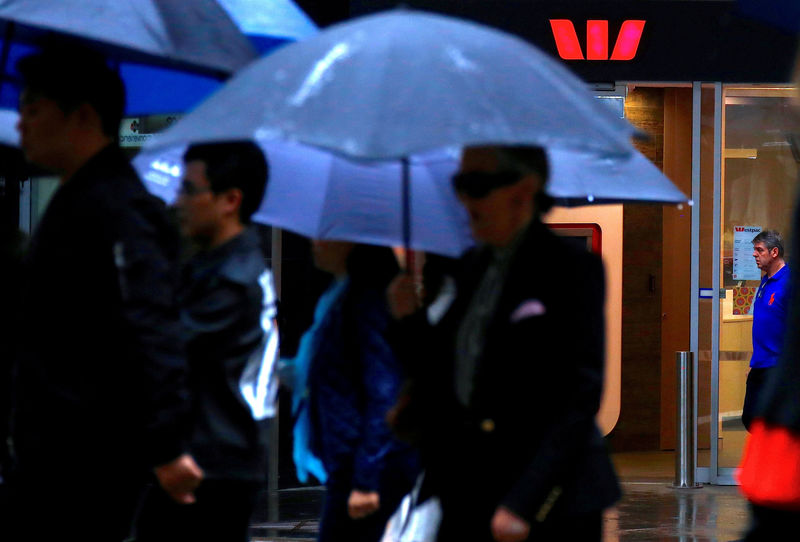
391 85
321 195
401 82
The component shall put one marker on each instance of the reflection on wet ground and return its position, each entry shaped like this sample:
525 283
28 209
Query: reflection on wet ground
650 509
654 511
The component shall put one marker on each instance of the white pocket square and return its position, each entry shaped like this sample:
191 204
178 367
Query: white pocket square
526 309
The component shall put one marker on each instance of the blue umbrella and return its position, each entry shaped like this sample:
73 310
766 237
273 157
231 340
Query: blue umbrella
203 38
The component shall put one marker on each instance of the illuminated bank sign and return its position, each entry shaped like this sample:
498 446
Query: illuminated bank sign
597 42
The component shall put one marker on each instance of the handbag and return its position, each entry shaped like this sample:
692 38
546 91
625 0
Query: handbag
414 521
769 474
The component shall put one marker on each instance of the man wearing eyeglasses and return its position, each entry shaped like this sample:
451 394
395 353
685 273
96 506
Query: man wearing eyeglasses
228 313
769 317
505 392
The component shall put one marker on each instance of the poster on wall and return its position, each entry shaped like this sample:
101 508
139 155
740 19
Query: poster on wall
744 265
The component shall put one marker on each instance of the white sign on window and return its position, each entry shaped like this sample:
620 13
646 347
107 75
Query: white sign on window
744 265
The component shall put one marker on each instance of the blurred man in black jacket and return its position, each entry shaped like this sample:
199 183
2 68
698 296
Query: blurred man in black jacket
228 313
508 382
100 391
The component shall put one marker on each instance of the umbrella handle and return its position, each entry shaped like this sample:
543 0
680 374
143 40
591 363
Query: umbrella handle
409 254
406 202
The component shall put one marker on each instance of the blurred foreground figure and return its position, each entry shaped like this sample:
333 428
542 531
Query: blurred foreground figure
506 385
100 392
228 313
770 470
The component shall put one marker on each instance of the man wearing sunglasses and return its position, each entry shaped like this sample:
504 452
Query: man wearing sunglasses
228 312
504 395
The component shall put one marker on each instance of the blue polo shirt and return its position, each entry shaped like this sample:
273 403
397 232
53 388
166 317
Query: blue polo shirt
769 319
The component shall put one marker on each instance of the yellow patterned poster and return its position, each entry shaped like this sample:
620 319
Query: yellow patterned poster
743 299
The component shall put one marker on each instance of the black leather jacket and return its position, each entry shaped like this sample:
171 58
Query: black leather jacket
228 314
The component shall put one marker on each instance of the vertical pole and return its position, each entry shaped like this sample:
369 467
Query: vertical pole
715 283
686 421
694 333
273 511
695 241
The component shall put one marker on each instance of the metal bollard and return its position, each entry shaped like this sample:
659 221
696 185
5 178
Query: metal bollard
685 460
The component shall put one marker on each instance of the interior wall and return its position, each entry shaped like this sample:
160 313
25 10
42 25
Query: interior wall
609 218
638 426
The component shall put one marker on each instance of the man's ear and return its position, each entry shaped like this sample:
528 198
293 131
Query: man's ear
87 117
774 252
232 200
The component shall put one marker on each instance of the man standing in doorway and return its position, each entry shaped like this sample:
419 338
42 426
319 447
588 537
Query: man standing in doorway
228 313
100 396
769 316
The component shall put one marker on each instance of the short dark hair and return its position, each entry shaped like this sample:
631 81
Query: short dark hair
513 162
771 239
235 164
72 74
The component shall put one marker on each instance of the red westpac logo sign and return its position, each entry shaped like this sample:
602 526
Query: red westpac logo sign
569 48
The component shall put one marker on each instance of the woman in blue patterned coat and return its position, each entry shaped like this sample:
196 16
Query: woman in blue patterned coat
353 381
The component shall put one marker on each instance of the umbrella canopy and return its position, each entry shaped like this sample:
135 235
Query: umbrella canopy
199 33
323 196
581 178
157 89
403 82
8 128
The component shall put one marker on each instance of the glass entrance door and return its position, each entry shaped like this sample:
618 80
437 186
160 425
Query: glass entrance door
759 172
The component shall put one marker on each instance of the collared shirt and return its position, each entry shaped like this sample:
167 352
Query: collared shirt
769 318
471 334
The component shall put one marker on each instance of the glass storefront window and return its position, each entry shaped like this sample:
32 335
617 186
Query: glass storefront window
759 189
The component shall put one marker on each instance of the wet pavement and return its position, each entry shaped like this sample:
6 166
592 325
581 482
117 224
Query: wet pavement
650 510
654 511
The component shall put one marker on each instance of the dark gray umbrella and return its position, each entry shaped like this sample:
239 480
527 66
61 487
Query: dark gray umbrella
196 33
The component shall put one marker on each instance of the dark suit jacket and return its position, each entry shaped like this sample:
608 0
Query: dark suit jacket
527 440
100 388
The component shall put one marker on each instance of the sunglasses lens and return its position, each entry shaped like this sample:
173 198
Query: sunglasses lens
478 184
